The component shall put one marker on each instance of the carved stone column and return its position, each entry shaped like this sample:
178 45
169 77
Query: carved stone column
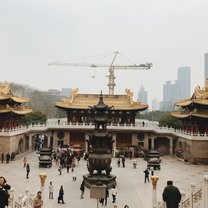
171 146
154 190
205 191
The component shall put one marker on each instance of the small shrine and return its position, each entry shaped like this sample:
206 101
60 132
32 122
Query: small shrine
11 108
100 148
193 112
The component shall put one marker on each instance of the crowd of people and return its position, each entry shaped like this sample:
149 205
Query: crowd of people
65 159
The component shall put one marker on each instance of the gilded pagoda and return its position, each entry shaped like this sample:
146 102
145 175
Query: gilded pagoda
124 108
193 112
11 108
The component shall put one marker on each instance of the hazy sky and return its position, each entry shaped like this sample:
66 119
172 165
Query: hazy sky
168 33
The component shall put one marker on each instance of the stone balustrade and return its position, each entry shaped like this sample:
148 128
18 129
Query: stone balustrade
150 126
196 198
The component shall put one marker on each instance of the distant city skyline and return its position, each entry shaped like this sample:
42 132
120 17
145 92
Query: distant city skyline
168 34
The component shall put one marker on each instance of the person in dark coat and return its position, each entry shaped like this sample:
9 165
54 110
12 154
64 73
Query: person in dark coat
27 170
61 195
105 199
7 157
2 157
171 195
146 175
4 195
82 189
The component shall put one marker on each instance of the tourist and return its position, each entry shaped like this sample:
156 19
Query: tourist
27 170
105 199
24 162
51 190
4 195
171 195
2 157
114 193
37 201
119 161
82 188
12 156
123 161
60 170
126 206
7 157
146 175
61 195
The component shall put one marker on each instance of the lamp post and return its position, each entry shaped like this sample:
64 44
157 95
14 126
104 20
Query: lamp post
42 177
154 190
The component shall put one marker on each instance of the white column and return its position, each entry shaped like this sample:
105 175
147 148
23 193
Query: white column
30 143
134 139
193 188
114 145
205 191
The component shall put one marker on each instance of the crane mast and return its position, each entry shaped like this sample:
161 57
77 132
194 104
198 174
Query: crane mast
111 83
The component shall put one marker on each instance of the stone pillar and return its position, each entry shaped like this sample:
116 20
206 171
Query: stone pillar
193 188
114 145
30 143
86 143
49 140
154 190
153 143
134 139
205 191
171 146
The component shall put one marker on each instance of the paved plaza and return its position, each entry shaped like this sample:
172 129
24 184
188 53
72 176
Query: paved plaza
130 182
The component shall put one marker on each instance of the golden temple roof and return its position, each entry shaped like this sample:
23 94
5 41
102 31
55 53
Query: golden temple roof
6 94
199 97
83 101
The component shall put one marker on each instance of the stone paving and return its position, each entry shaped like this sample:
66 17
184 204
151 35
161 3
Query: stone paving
131 187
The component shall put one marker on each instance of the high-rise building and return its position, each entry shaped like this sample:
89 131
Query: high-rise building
142 95
205 67
184 80
155 104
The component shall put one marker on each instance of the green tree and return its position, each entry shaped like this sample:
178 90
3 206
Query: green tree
170 121
33 118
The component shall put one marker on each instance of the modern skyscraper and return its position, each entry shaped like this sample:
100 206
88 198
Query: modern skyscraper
142 95
155 105
205 67
184 80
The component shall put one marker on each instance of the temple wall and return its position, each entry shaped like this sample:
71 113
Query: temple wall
4 144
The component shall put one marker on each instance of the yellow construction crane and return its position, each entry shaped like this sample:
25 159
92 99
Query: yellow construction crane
112 67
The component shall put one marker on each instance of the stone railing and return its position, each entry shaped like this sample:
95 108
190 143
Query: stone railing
151 126
197 198
23 200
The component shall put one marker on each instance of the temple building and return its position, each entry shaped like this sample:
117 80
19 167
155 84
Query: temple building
11 108
193 112
124 108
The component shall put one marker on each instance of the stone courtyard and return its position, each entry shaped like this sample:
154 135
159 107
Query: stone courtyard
130 182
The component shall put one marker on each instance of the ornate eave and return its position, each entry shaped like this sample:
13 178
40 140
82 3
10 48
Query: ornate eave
21 110
119 102
200 113
6 94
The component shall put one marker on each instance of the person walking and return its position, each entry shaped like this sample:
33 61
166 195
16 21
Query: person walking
24 162
146 175
171 195
61 195
7 157
82 188
37 201
123 161
2 157
27 170
114 193
106 198
50 190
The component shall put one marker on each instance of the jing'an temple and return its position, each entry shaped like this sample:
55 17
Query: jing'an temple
128 133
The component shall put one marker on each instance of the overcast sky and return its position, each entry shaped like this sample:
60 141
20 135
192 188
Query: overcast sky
168 33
